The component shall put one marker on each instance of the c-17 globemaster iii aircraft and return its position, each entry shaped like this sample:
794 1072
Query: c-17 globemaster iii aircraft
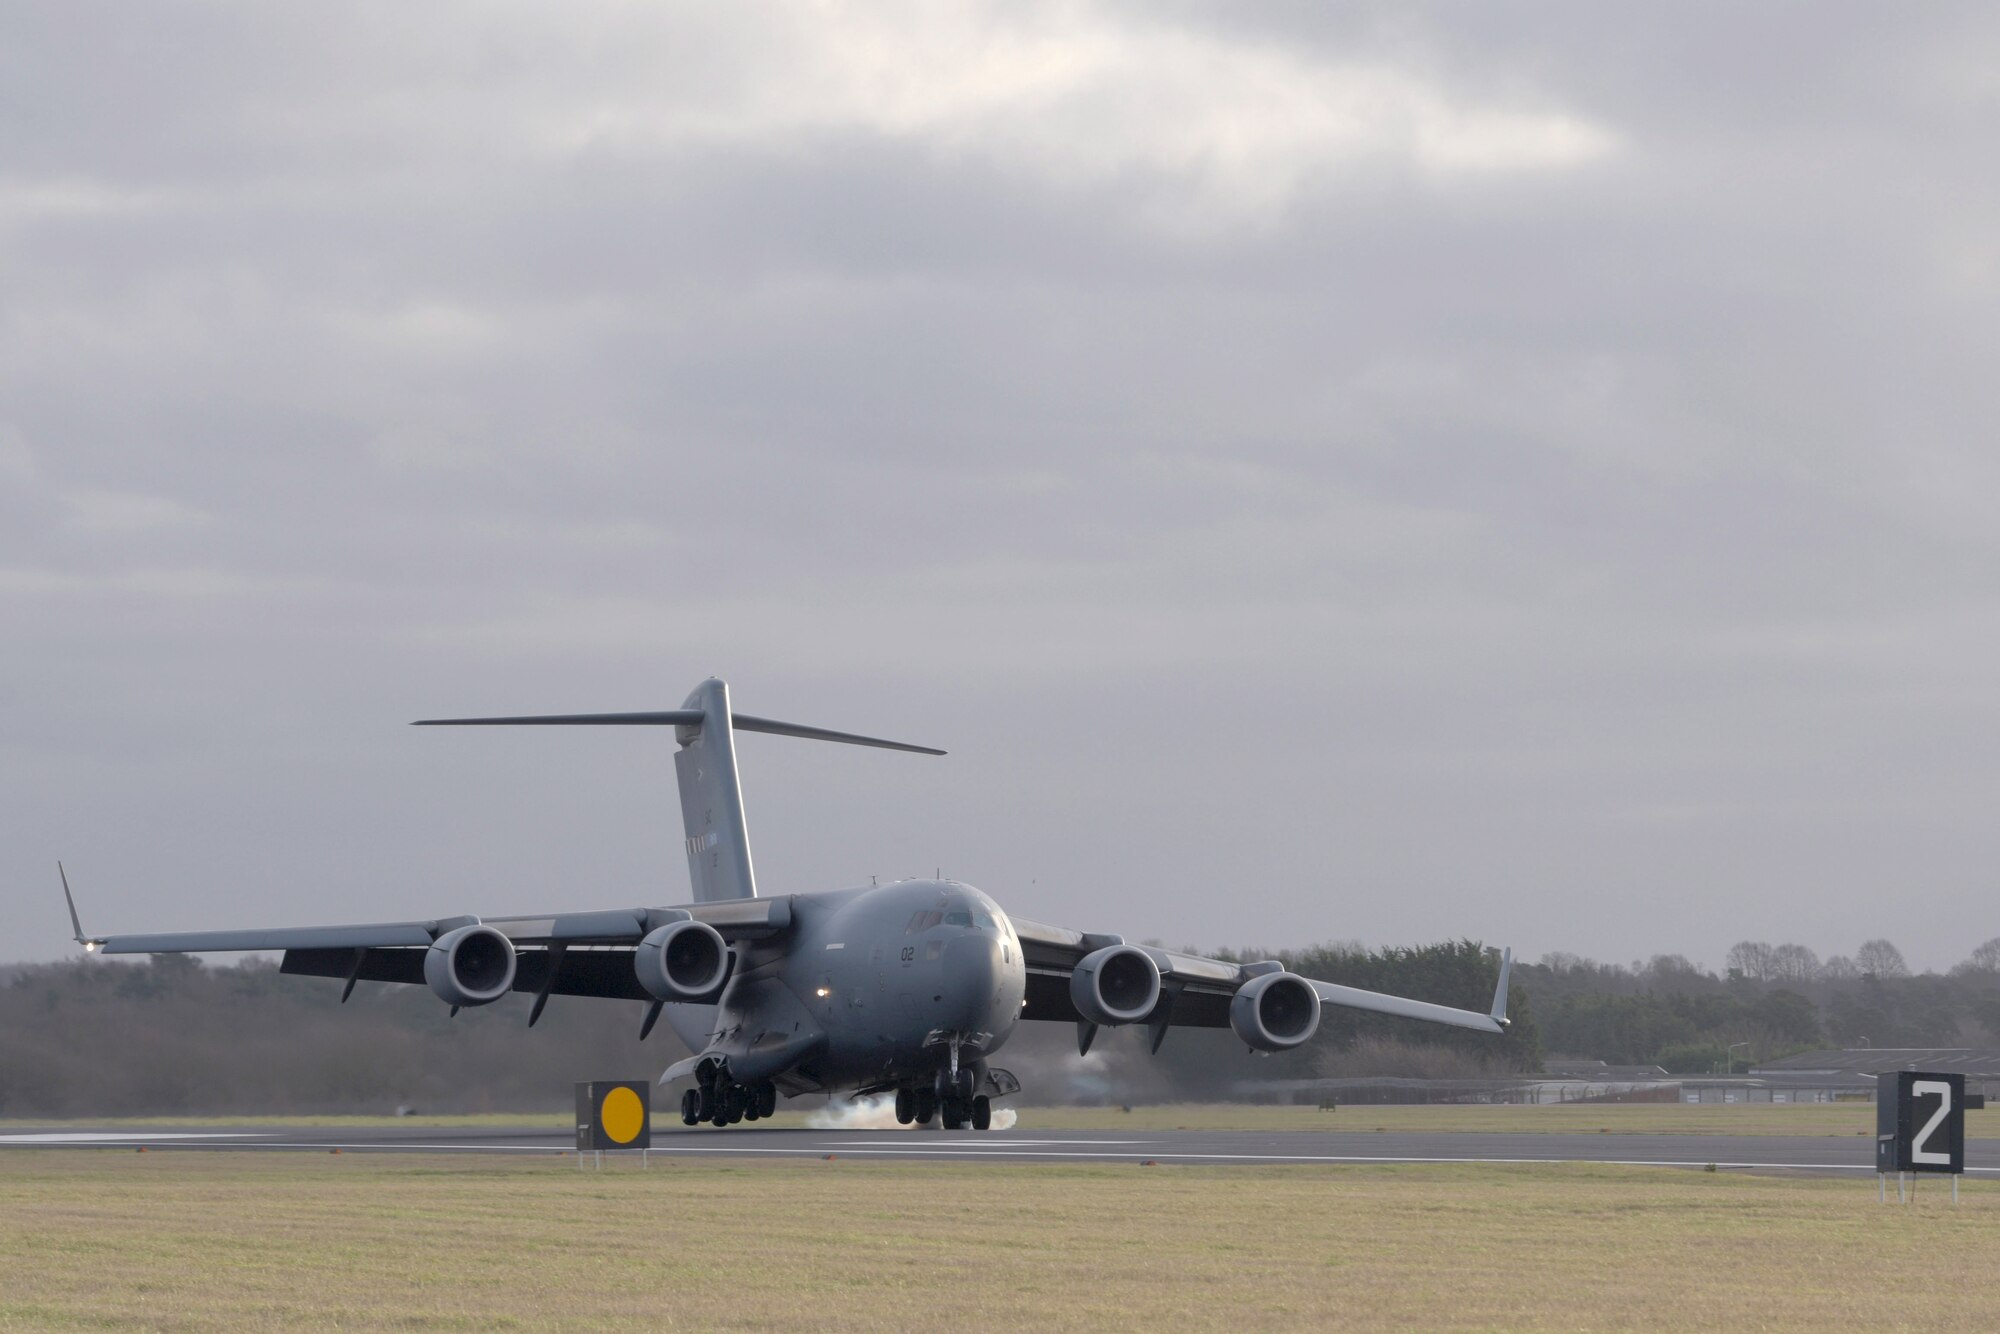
908 987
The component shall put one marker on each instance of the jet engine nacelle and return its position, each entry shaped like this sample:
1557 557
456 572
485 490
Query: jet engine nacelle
681 961
1119 984
473 965
1275 1012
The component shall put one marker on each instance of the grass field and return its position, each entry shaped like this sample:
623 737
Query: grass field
1832 1119
256 1241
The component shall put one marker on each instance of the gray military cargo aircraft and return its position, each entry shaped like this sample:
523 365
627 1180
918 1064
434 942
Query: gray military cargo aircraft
908 987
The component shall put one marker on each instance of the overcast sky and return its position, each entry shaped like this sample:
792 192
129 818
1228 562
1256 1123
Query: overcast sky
1386 474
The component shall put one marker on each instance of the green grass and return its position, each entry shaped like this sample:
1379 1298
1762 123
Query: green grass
114 1240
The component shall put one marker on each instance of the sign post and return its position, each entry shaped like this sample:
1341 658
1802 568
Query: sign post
1919 1127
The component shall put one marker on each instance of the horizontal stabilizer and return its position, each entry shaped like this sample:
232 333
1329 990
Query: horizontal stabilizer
742 722
657 718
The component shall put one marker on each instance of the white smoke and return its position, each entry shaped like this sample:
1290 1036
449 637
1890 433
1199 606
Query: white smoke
876 1113
879 1113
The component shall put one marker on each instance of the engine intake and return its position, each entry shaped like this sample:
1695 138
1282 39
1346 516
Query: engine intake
1119 984
1275 1012
681 961
473 965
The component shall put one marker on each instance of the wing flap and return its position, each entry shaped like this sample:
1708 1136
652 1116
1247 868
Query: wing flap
606 974
391 965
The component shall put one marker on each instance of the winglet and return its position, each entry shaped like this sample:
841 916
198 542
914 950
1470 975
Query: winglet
89 945
1499 1010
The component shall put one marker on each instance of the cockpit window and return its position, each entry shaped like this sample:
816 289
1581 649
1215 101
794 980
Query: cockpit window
923 919
986 923
958 918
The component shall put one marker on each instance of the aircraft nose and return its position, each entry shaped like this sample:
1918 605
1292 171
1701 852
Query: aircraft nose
971 976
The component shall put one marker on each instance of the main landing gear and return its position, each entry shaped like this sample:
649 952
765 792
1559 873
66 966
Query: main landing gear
724 1104
920 1106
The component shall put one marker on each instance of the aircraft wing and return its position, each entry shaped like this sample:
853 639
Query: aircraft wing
1196 991
563 954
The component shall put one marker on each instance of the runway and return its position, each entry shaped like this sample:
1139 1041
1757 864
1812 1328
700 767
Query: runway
1816 1154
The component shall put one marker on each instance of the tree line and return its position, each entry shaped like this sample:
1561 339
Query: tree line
1768 1001
166 1035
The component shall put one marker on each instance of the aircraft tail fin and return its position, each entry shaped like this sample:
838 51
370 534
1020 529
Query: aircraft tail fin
718 845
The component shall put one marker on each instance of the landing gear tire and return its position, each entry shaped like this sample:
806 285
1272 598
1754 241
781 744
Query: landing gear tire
906 1106
767 1099
691 1107
955 1113
926 1107
982 1113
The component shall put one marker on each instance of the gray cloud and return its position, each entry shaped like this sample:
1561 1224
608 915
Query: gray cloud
1385 474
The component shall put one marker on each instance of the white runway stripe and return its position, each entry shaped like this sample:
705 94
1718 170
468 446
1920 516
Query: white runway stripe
108 1137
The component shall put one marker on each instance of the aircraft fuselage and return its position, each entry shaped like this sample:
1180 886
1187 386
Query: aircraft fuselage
872 989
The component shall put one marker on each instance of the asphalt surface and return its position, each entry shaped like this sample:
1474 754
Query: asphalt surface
1817 1154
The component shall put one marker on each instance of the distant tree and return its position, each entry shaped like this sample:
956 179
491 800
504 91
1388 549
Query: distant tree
1787 1019
1674 974
1985 1011
1839 968
1984 959
1881 958
1794 963
1674 970
1750 959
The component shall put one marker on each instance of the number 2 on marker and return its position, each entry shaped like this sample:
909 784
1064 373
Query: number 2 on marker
1923 1088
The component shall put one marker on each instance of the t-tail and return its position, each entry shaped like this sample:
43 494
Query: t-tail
718 844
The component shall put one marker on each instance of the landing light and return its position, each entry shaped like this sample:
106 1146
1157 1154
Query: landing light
90 946
823 993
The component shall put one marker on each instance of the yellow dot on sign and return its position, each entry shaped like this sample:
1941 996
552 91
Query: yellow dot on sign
622 1115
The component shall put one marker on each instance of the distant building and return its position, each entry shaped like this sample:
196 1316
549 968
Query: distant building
1853 1069
1810 1077
1565 1067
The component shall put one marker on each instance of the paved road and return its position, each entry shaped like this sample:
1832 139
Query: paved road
1741 1152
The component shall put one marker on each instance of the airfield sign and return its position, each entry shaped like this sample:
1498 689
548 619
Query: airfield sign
613 1115
1919 1122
